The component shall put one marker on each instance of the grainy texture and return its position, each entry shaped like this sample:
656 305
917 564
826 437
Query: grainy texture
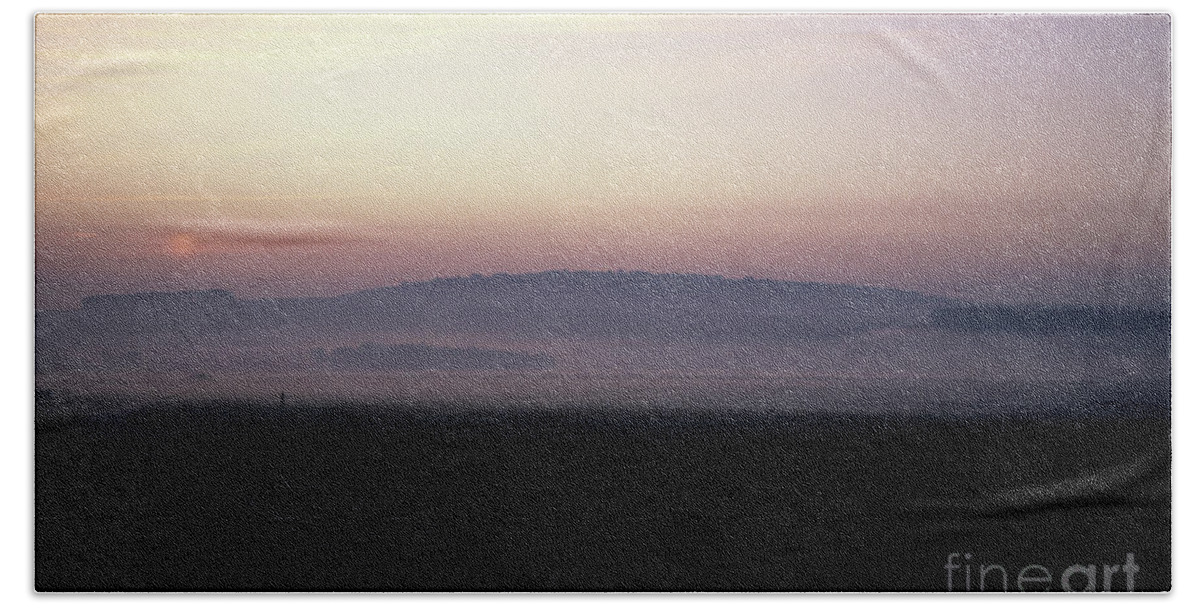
806 302
244 496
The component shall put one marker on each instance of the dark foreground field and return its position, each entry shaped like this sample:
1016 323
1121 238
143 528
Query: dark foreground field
251 496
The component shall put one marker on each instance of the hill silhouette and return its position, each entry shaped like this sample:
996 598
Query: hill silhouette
545 304
630 320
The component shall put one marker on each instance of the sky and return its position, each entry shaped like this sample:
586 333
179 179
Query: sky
1001 158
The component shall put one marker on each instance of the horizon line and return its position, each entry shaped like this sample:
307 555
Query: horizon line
501 274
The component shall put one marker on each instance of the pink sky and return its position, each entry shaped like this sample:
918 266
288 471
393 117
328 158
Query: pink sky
1011 157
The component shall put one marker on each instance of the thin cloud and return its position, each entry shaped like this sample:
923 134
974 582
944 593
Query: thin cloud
189 241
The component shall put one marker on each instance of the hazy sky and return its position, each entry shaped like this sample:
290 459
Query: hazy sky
996 157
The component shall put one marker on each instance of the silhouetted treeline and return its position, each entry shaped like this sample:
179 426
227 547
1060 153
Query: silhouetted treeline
650 316
1053 320
540 305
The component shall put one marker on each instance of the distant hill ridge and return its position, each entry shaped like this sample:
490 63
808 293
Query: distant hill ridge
619 304
589 304
548 278
630 278
516 321
551 304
